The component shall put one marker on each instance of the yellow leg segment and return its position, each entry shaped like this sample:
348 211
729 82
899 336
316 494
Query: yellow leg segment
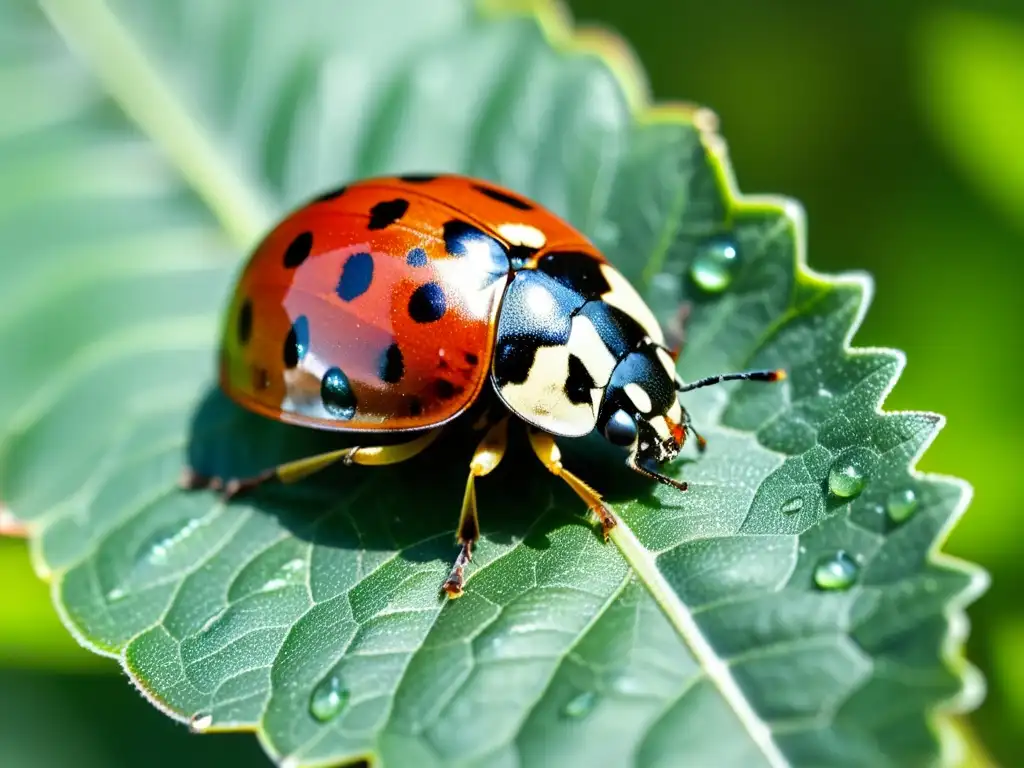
487 457
293 471
547 451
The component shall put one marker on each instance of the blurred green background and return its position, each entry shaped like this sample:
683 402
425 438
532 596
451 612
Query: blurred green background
899 127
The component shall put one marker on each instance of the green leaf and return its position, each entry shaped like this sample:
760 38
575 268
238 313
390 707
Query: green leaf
311 614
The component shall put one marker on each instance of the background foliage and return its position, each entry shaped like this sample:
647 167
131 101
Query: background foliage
891 124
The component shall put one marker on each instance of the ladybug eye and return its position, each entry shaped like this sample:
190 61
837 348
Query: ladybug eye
620 429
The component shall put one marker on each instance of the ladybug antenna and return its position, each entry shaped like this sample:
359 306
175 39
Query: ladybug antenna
654 475
776 375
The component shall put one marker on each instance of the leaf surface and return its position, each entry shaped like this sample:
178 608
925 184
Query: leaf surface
758 619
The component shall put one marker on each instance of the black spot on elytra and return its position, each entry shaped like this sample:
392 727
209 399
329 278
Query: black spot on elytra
472 359
459 237
330 194
484 253
418 178
245 322
445 390
577 270
298 250
356 276
415 407
392 365
337 395
427 303
387 213
579 382
417 257
504 197
297 342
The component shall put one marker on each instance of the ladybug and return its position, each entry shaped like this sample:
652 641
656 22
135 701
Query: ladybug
395 304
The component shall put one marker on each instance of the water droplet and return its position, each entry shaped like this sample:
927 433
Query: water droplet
848 475
792 506
200 722
288 574
901 505
629 685
328 699
208 624
580 705
825 393
836 572
117 593
713 267
162 543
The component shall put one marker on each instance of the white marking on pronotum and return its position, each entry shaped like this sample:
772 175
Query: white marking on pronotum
640 398
585 342
541 399
675 412
660 428
622 295
667 362
522 234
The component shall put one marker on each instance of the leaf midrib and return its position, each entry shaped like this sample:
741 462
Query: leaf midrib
243 211
90 28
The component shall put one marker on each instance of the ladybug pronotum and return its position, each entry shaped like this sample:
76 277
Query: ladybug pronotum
395 304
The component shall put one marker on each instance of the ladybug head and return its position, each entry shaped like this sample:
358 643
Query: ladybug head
641 409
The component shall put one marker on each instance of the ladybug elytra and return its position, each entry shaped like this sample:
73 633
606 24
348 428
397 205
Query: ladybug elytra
391 304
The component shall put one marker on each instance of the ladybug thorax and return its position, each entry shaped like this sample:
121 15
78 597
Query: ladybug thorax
577 348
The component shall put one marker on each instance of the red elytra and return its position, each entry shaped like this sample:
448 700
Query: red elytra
364 280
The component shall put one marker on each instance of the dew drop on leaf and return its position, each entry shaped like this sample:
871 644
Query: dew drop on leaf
117 593
328 699
901 505
848 476
200 722
580 705
792 506
836 572
288 574
159 546
712 269
210 622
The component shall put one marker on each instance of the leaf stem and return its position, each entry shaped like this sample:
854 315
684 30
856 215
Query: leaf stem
643 563
91 28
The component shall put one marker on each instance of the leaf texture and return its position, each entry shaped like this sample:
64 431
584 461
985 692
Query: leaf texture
716 633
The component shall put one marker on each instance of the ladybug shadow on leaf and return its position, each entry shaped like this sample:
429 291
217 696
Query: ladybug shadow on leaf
603 466
412 507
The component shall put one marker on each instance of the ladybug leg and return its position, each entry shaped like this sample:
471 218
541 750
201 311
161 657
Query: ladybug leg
550 456
487 457
293 471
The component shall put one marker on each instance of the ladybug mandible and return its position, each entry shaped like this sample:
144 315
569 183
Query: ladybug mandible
392 304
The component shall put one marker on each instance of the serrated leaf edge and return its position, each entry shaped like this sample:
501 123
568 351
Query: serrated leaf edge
243 216
558 27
